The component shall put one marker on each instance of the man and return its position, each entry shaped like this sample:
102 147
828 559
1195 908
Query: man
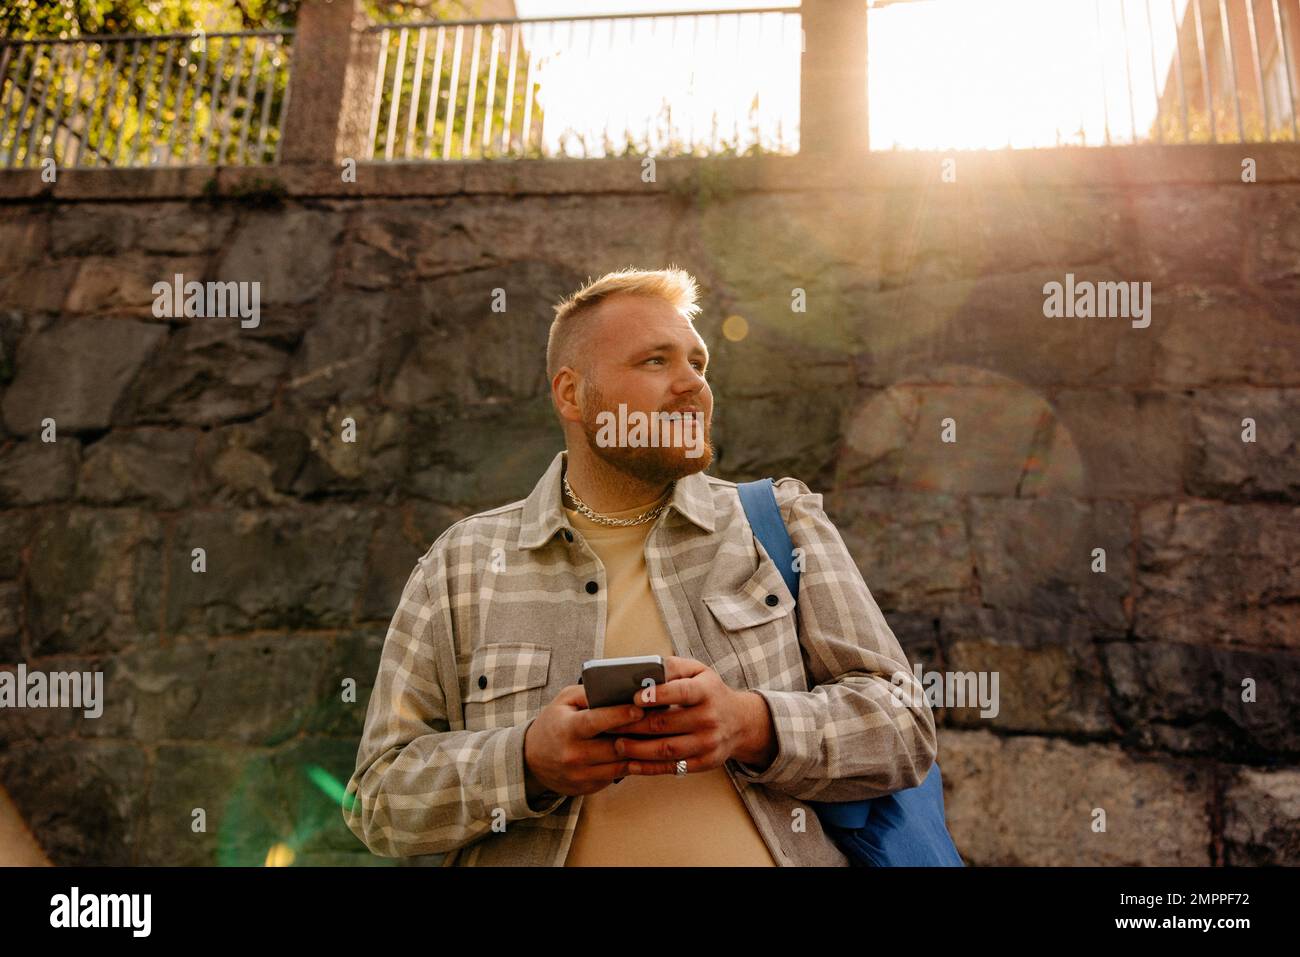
478 740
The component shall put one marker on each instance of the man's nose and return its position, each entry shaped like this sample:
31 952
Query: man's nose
692 381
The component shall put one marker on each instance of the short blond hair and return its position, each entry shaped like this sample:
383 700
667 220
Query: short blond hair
674 285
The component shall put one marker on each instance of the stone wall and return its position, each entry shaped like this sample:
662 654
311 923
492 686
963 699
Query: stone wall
1120 690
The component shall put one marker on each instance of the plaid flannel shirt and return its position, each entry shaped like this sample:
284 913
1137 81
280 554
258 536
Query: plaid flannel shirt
501 611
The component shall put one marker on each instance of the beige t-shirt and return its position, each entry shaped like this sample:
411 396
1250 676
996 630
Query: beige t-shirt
658 820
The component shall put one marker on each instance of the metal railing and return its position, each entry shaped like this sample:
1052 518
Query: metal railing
718 81
1045 73
165 100
941 74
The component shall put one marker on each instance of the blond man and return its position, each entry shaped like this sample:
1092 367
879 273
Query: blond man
478 740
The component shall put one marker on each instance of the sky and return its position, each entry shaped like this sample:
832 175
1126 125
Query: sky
941 74
998 72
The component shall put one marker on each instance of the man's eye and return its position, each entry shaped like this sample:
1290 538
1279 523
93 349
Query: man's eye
694 362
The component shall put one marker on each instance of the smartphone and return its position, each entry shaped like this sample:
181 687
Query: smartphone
609 681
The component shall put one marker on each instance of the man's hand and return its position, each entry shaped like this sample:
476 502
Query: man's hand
705 723
564 750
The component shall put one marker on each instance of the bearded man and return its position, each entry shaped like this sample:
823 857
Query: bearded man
478 741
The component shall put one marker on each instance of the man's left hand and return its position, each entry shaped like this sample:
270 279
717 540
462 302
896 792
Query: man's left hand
705 722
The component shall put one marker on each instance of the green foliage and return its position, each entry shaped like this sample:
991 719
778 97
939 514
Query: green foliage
1225 126
418 11
72 18
148 104
23 19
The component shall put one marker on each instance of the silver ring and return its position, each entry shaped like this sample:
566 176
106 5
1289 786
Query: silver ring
681 767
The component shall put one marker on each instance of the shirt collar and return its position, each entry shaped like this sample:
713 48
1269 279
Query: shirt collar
544 511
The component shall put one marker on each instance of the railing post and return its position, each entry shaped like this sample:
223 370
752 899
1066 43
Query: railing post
331 84
833 80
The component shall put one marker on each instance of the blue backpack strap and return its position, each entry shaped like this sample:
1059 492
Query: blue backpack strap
904 829
759 502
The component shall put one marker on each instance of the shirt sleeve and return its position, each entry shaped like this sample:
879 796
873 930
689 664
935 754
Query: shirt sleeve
419 787
865 729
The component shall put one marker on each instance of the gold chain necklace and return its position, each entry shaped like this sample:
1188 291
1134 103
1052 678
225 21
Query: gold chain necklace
582 508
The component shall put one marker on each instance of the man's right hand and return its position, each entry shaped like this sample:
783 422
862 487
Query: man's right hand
564 751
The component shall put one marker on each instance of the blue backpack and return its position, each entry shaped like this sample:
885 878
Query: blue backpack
903 829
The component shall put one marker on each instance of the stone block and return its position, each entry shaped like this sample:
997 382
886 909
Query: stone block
209 372
33 472
1261 826
1215 574
1192 699
1221 465
266 569
983 435
1031 801
93 581
77 373
912 548
290 252
1036 556
82 800
149 465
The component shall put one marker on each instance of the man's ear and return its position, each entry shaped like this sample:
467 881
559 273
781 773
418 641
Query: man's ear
564 392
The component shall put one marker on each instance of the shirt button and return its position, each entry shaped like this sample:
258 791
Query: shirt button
482 681
568 535
592 588
772 600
